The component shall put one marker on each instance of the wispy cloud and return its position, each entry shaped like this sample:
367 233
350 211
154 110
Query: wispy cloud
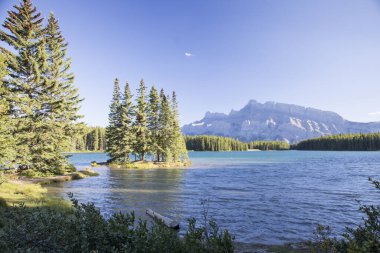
374 114
187 54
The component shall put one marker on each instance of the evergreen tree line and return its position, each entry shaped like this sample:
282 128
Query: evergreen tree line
342 142
147 128
91 139
38 102
269 145
220 143
214 143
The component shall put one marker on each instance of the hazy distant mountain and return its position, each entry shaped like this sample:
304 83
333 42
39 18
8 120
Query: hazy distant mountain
276 121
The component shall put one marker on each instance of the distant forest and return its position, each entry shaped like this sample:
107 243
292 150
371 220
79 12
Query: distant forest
93 139
214 143
269 145
90 139
219 143
342 142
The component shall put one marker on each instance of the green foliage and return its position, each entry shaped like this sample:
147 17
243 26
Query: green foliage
208 237
323 241
365 238
42 104
84 229
165 118
214 143
153 122
148 129
114 118
142 134
269 145
31 173
341 142
178 146
126 127
89 139
7 140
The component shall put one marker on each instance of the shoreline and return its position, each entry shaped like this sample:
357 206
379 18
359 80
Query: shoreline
87 172
146 165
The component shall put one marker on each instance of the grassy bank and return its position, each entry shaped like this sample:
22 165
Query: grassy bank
35 177
16 192
26 188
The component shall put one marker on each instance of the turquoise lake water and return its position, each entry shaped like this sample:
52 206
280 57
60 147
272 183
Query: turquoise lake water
261 197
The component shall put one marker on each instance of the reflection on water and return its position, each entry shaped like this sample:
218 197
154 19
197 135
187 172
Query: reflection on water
263 197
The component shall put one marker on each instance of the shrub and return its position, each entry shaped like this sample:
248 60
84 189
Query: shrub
31 173
84 229
366 237
363 239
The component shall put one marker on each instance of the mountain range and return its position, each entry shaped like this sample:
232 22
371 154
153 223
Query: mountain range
276 121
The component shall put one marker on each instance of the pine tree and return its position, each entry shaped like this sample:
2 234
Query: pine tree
43 102
25 65
127 134
7 147
95 144
166 128
141 128
63 97
153 122
60 102
100 138
178 145
113 128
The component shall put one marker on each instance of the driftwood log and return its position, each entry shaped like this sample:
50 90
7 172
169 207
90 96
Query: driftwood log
167 221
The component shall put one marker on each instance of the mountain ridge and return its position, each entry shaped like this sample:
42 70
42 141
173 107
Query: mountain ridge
276 121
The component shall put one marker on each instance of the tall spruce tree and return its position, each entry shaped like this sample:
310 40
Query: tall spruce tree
62 99
127 134
142 134
42 100
166 128
24 84
179 151
114 125
60 102
153 123
7 147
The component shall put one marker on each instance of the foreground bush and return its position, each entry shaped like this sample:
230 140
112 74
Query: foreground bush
365 238
84 229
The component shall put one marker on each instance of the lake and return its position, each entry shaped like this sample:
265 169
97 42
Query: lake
268 197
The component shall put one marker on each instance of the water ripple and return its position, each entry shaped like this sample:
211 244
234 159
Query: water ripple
261 197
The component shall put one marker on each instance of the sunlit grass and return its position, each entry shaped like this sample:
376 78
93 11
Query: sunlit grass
29 194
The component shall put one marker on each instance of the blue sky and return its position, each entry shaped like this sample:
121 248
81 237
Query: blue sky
219 54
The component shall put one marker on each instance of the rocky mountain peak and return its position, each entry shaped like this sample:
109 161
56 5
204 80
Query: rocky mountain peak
275 121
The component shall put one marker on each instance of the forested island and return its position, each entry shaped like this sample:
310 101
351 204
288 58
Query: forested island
146 130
